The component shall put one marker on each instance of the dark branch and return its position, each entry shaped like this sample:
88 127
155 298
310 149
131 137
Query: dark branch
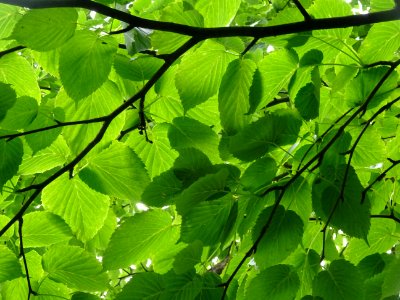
58 125
22 253
11 50
205 33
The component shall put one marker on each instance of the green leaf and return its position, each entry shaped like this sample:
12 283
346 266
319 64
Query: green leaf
75 267
378 5
359 89
161 190
7 99
11 157
9 16
116 171
218 13
82 208
188 133
297 198
139 69
307 102
139 238
281 238
381 238
391 284
278 282
46 29
168 286
157 156
42 139
206 221
21 114
85 62
101 103
277 129
19 74
259 174
351 216
275 69
381 43
201 190
9 265
234 94
340 281
187 258
53 156
84 296
194 80
366 156
44 229
307 264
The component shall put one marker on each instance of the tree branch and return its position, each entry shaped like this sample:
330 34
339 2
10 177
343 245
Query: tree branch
206 33
22 253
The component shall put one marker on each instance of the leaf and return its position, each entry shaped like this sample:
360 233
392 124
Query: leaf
187 258
9 265
297 198
82 208
258 138
234 93
193 79
168 286
351 216
201 190
9 16
139 69
7 99
85 62
278 282
53 156
101 103
75 267
381 43
116 171
43 229
391 284
381 238
46 29
158 156
206 221
275 71
161 190
11 157
218 13
140 237
307 102
281 238
366 156
18 73
21 114
259 174
42 139
359 89
188 133
341 280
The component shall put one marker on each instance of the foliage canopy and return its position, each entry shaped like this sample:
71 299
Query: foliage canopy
199 149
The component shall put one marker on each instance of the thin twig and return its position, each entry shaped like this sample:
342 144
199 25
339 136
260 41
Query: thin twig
22 253
303 11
